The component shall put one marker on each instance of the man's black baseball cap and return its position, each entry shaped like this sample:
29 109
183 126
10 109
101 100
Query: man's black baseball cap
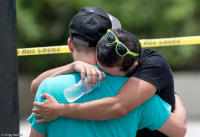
91 23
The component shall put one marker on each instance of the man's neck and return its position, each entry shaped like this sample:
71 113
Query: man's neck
92 62
88 59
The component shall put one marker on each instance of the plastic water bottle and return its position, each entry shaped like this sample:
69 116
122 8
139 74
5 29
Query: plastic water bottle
76 91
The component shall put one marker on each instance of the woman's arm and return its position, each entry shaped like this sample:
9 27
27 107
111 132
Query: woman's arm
176 124
78 66
50 73
134 92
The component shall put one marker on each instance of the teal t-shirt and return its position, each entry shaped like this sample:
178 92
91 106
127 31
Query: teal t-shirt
152 114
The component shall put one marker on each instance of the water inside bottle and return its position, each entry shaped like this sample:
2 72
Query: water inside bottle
73 93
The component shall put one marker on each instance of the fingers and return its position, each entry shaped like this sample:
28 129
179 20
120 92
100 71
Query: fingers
100 74
37 111
94 76
90 71
46 95
37 104
40 121
83 72
37 115
89 75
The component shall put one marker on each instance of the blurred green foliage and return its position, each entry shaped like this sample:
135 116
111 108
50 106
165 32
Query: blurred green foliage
45 23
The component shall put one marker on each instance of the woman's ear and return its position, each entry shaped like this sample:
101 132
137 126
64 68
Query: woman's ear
70 45
134 65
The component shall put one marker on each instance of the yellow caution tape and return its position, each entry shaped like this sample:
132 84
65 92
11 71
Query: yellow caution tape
43 50
170 41
146 43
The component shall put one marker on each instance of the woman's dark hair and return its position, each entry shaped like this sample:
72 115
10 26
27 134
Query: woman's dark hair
107 55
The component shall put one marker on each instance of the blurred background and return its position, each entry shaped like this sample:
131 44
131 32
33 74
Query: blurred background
45 23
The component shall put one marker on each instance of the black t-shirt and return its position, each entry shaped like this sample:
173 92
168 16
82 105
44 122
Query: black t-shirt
154 68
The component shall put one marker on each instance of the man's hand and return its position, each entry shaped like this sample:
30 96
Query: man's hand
48 110
90 71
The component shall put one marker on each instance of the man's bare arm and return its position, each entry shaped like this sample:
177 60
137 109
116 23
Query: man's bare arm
134 92
34 133
77 66
175 126
50 73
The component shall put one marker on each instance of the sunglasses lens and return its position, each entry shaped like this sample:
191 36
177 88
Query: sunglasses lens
110 37
121 49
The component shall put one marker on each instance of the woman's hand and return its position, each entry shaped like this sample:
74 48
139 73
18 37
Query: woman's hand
92 72
47 110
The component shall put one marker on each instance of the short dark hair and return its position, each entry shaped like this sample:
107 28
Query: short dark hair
107 55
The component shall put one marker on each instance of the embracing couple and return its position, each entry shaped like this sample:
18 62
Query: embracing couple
135 98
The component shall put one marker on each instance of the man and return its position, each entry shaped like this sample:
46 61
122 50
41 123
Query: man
152 114
147 78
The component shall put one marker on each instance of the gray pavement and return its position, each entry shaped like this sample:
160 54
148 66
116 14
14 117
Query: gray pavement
187 85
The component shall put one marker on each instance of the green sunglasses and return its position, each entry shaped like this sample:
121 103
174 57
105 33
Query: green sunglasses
120 48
